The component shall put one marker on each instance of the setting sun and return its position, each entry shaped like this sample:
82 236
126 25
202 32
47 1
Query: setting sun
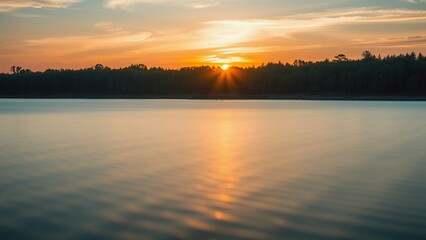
225 66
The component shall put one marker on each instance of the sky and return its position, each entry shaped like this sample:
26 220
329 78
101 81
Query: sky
73 34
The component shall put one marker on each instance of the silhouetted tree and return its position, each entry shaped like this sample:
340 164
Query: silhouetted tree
25 71
391 75
15 69
367 55
299 63
18 69
101 67
140 67
340 58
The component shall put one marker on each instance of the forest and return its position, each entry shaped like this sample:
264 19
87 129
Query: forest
396 75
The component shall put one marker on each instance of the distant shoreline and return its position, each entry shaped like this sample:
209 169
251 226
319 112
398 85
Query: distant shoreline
246 97
400 77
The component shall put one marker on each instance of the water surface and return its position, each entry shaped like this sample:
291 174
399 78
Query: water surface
177 169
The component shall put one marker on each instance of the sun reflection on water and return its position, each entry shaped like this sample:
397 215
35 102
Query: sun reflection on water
224 165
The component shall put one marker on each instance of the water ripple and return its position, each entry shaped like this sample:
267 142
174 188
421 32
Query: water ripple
82 169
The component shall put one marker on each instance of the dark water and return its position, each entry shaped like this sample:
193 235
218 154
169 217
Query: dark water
170 169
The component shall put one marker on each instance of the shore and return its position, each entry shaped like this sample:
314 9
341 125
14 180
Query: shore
228 97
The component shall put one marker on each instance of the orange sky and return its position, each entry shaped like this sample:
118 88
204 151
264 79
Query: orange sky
169 33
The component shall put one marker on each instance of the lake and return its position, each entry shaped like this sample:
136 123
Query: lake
206 169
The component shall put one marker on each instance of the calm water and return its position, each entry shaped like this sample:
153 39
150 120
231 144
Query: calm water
175 169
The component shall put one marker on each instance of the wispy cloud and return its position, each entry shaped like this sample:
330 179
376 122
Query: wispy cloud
250 38
396 42
413 1
111 36
10 5
204 4
126 4
244 41
229 33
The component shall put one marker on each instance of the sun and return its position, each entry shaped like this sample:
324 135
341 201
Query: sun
225 67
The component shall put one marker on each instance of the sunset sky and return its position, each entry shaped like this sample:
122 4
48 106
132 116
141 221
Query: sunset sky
40 34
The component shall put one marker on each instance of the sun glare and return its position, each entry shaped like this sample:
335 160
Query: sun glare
225 67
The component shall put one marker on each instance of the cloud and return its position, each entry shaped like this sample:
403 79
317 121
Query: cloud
226 38
108 42
204 4
235 41
111 36
10 5
228 33
249 38
413 1
397 42
189 3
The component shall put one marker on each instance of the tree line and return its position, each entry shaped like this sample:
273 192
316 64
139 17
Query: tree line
402 75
